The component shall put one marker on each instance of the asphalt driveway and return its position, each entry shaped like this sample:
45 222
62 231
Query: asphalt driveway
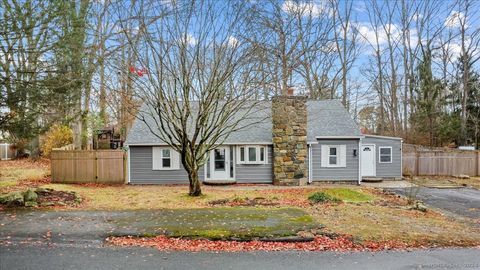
459 201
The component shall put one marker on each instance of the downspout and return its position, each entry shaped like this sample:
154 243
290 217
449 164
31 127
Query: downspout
359 161
401 159
309 163
128 164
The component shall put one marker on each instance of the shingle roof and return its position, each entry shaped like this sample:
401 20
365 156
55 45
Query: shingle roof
324 118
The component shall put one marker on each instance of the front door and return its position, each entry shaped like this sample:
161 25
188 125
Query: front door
368 160
220 163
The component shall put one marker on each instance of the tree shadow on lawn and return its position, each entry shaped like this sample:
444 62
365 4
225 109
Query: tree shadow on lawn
215 223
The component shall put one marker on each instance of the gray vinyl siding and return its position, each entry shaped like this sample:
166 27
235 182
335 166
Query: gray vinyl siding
393 169
253 173
141 169
348 173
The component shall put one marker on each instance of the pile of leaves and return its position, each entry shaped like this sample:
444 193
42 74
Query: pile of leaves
50 197
26 163
258 201
319 243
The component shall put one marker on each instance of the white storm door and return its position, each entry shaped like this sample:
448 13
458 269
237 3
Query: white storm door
219 163
368 160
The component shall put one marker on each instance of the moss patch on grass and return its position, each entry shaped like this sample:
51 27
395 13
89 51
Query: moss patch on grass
216 223
349 195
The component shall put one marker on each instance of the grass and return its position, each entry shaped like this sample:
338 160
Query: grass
377 222
445 181
366 213
473 182
174 197
15 174
216 223
349 195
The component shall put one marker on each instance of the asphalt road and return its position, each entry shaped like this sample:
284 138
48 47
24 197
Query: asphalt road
459 201
98 258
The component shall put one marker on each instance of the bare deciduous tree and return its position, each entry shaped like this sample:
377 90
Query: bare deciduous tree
198 87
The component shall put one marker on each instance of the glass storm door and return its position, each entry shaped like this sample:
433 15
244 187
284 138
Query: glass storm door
219 163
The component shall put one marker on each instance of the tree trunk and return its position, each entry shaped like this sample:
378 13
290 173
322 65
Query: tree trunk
195 189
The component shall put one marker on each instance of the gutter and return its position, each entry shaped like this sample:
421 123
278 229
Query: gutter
340 137
127 146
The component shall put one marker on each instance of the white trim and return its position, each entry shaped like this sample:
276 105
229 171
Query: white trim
309 164
339 137
128 166
383 137
227 163
359 156
174 159
341 155
164 144
234 158
380 156
313 142
257 154
401 159
374 157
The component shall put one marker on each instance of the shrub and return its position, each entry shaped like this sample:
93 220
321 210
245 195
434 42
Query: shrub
56 136
322 197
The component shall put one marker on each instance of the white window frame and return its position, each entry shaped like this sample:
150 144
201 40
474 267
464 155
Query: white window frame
157 159
257 154
162 158
341 156
380 154
336 156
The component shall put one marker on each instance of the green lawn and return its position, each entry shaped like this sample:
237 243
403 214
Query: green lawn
349 195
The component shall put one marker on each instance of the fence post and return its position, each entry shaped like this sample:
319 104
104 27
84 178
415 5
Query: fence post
95 167
125 177
478 163
417 161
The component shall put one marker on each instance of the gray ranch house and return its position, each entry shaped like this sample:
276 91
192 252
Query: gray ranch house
299 141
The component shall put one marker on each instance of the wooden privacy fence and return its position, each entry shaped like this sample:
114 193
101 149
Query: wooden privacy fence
79 166
447 162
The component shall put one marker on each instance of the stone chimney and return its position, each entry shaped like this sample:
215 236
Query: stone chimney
289 116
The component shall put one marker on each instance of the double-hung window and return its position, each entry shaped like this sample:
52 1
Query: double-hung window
385 153
333 156
165 158
252 154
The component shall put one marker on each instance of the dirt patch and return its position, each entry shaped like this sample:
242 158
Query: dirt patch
388 198
50 197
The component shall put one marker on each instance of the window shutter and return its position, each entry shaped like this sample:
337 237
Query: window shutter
343 156
175 159
156 158
324 156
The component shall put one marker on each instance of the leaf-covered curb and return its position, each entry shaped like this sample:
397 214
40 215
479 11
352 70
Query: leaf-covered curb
319 243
